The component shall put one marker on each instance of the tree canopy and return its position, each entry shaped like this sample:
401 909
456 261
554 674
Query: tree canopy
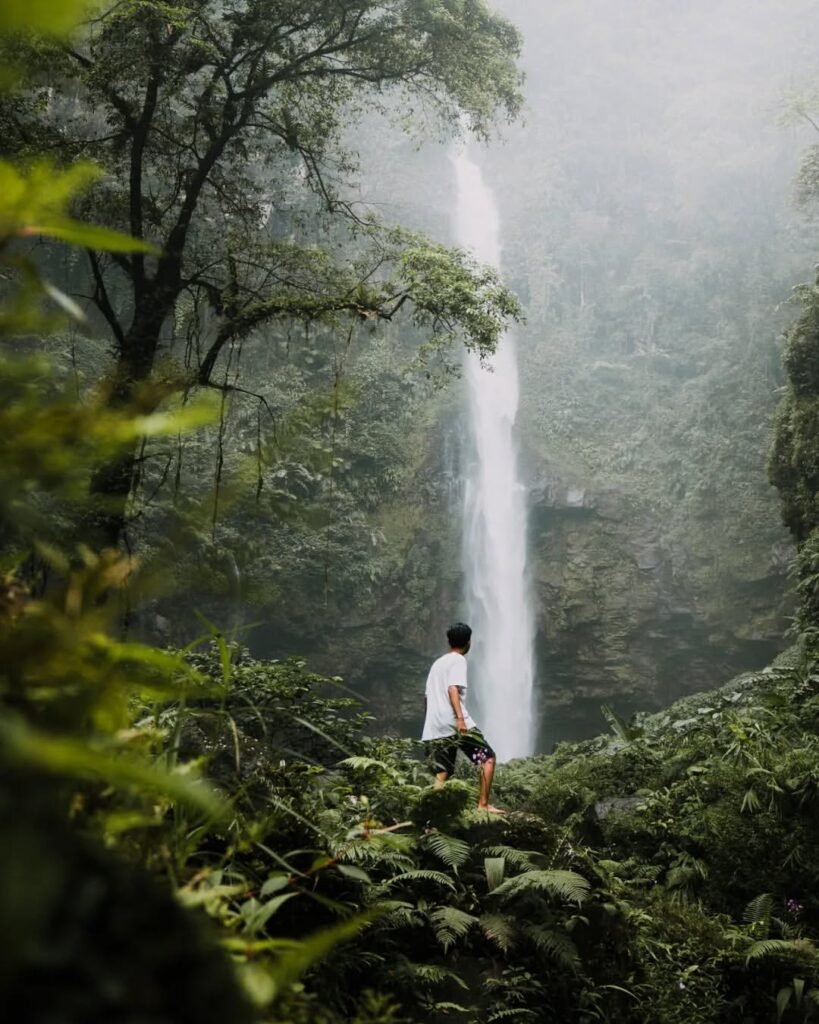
223 133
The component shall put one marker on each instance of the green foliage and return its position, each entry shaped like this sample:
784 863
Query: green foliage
793 466
66 687
451 292
321 867
567 885
451 924
245 246
621 729
650 911
453 852
35 202
708 891
758 911
50 443
440 807
44 16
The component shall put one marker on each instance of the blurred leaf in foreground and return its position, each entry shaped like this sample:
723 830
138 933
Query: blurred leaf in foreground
49 17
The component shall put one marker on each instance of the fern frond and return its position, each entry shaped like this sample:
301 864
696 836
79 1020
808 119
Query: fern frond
556 946
515 1013
434 974
678 877
398 914
750 802
418 875
779 947
361 764
499 929
567 885
377 848
453 852
523 860
368 959
363 852
450 924
759 909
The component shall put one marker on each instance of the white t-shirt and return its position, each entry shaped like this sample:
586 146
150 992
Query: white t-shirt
448 670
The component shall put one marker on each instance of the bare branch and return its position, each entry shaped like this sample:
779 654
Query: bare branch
101 299
243 391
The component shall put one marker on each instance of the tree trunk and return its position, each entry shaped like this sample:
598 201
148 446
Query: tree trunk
112 481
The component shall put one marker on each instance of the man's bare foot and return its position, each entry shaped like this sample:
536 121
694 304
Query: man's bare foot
490 809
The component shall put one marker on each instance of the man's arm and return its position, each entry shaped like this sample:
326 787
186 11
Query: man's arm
455 700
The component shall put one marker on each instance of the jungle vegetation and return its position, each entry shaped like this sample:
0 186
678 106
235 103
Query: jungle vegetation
195 833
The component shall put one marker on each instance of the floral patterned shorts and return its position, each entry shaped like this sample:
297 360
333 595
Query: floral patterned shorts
443 752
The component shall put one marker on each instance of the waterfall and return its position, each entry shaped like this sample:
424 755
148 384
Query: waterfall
495 529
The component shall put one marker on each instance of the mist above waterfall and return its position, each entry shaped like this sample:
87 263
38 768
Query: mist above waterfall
642 208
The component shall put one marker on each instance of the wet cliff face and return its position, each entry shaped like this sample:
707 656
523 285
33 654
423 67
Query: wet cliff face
640 597
629 615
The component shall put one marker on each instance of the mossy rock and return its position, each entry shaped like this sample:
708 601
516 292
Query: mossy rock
441 807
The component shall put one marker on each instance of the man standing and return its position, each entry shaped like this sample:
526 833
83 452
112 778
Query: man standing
448 726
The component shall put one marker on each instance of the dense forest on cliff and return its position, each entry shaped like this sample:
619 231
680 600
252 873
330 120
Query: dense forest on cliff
233 442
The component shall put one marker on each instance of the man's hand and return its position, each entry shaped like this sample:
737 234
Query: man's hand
460 725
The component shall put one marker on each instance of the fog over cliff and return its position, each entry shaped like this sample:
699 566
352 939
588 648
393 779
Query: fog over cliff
648 227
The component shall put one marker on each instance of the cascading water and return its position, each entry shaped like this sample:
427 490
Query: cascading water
495 534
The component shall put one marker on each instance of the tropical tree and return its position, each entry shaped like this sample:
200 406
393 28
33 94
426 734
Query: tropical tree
221 127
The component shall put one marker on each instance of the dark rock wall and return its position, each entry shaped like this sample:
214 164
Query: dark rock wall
619 622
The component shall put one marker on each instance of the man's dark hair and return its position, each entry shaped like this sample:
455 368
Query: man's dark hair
459 635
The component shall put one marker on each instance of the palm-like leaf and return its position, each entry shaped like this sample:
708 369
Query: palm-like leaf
499 929
453 852
363 764
523 860
450 924
512 1013
780 947
400 915
495 868
420 876
567 885
434 974
376 848
759 910
553 944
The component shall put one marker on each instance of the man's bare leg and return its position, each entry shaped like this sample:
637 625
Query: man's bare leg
487 773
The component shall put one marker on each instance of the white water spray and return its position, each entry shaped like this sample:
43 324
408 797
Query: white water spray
495 535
